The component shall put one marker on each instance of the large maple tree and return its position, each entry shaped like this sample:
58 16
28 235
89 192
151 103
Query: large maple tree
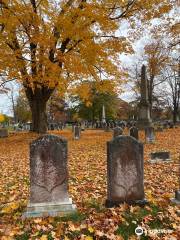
50 44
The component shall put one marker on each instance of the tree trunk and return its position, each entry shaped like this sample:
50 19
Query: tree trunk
175 113
39 117
37 100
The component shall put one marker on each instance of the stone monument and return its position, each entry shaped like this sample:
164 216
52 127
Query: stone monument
125 171
144 119
49 178
103 114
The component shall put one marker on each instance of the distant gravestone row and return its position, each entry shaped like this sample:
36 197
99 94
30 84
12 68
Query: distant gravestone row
133 132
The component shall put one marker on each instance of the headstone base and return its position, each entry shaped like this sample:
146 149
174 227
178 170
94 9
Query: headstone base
158 160
49 209
111 204
176 201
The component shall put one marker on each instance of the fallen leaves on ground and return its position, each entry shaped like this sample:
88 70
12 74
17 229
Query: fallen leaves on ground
87 187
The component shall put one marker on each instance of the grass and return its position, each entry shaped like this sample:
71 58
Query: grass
93 203
24 236
132 220
74 217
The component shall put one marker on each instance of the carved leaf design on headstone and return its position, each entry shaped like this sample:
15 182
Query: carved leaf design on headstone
125 177
49 172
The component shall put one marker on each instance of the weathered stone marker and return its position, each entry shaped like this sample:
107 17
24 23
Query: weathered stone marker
176 200
77 132
133 132
160 157
48 178
3 132
149 134
125 172
117 132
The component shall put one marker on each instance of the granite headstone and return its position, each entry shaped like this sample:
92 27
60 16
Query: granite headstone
48 178
125 171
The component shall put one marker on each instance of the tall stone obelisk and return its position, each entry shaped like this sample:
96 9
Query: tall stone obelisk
103 114
144 119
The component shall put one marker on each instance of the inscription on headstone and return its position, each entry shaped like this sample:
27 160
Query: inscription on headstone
125 171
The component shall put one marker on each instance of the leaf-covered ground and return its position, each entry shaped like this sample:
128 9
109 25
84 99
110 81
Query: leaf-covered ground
87 187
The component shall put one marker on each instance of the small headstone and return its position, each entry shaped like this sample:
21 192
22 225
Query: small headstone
60 126
3 132
133 132
176 200
165 125
104 125
149 134
160 157
171 125
117 132
125 171
77 132
48 178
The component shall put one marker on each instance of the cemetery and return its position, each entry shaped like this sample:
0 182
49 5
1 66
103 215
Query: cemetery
98 186
89 120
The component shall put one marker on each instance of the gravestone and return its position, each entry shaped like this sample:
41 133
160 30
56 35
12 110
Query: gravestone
149 134
133 132
176 200
48 178
165 125
104 125
125 171
60 126
160 157
117 131
3 132
77 132
171 125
